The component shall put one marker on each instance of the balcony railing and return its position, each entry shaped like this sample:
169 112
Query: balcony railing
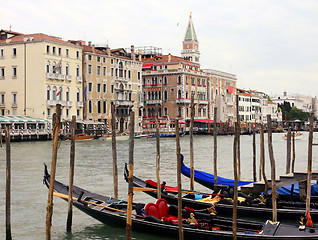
124 103
79 79
51 103
202 101
154 101
79 104
183 100
68 78
61 77
69 103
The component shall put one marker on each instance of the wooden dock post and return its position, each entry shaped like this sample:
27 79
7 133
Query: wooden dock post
294 153
71 177
191 146
288 158
179 181
215 149
238 138
114 151
56 130
309 167
8 183
272 160
131 174
235 198
262 157
158 154
254 156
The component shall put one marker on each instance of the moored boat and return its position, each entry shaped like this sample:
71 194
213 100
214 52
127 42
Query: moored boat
81 137
297 136
122 136
160 219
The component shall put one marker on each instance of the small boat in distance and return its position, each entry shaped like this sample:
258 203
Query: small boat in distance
80 137
297 136
121 136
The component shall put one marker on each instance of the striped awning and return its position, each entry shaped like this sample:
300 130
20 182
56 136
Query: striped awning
20 119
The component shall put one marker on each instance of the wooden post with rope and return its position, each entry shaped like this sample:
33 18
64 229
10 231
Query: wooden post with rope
8 183
238 139
158 154
179 181
288 155
309 167
56 130
71 177
215 149
262 158
130 176
114 151
254 156
235 198
272 160
191 146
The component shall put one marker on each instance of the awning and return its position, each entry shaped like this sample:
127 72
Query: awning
147 66
205 120
21 119
230 89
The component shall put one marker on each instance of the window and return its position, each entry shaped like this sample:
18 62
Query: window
47 49
179 111
1 53
98 107
193 81
129 74
104 106
77 71
48 112
104 71
112 61
48 93
78 97
166 111
112 88
54 93
138 75
90 106
179 79
67 95
14 52
67 70
98 59
54 50
98 87
104 88
98 70
77 55
60 94
67 112
179 94
14 72
90 86
67 53
2 99
78 113
112 72
164 80
60 51
165 95
104 60
89 57
89 69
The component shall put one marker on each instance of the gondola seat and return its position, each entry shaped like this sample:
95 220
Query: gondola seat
164 211
151 209
151 183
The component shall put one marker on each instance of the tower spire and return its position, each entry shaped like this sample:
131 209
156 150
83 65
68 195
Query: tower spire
190 49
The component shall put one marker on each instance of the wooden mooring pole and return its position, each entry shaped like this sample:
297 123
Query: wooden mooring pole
288 155
158 154
130 176
56 130
114 151
293 165
254 156
262 158
235 198
272 160
238 138
309 167
8 183
71 177
179 180
215 149
191 146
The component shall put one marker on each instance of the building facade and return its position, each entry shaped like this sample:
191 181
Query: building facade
112 77
37 72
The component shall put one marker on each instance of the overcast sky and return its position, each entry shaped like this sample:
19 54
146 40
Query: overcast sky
270 45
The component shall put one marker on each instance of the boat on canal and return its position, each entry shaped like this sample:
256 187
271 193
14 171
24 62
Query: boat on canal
81 137
159 218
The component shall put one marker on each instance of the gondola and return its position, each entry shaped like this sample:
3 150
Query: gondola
261 209
207 180
160 219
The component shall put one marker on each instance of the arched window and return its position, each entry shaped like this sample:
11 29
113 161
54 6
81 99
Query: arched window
60 94
48 67
149 96
67 68
144 112
156 95
159 110
159 95
129 96
144 96
149 113
53 67
90 106
54 93
48 93
165 80
120 69
179 79
77 71
67 94
179 93
153 112
179 111
165 96
166 111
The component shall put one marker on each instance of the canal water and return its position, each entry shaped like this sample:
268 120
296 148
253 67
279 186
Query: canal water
93 171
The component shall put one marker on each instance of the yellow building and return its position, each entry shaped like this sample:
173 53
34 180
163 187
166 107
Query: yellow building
112 77
37 72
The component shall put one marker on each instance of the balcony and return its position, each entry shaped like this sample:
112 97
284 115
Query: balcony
61 77
201 101
230 103
79 79
52 103
154 101
183 100
79 104
124 103
51 75
68 78
69 104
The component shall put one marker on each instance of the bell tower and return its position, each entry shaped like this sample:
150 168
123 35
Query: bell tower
190 50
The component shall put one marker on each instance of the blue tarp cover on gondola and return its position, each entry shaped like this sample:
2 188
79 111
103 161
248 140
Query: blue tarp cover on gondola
287 190
209 178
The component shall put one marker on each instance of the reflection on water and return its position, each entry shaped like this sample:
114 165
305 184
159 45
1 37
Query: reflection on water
93 171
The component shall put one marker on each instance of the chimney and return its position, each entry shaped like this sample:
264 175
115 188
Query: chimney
93 48
139 55
108 51
89 43
169 57
133 56
285 93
